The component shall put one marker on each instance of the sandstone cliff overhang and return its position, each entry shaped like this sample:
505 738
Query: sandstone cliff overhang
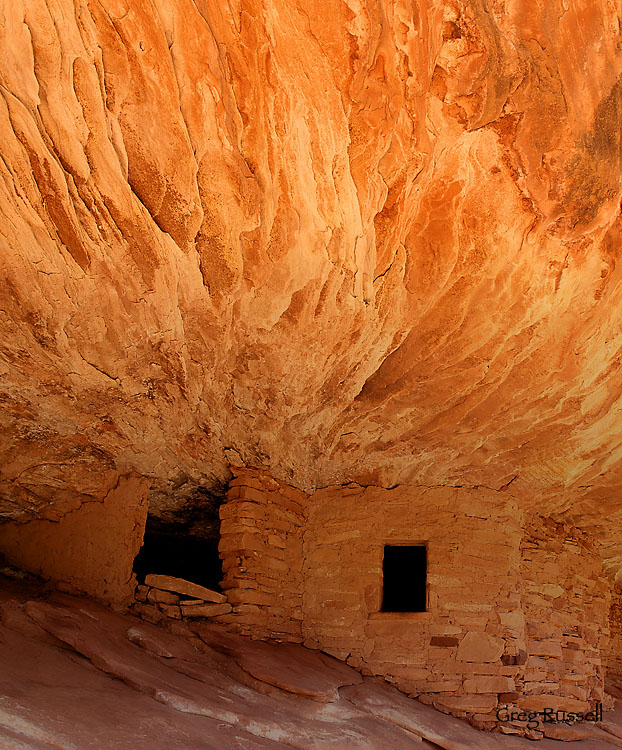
348 242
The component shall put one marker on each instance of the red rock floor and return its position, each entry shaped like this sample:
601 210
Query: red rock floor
75 676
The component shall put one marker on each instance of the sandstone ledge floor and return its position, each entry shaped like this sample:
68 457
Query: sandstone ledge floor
74 675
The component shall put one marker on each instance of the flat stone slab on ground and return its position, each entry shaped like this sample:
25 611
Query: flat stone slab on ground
159 596
181 586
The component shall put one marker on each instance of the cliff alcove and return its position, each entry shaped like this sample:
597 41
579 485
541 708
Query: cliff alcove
285 285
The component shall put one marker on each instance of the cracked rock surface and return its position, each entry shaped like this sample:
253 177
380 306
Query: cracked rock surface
351 241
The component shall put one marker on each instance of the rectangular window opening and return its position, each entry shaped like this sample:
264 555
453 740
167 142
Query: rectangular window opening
404 578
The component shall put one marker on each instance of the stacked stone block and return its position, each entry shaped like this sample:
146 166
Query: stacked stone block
261 548
165 597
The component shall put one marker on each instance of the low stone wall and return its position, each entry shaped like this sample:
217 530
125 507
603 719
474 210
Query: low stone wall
164 597
261 548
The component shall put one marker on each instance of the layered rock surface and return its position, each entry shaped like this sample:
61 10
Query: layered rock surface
371 242
75 675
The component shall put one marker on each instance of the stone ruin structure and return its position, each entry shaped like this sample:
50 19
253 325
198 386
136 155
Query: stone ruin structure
332 289
516 606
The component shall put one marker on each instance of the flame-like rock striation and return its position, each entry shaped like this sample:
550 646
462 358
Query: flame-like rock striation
344 240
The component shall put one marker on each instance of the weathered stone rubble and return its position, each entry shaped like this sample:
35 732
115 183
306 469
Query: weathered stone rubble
163 596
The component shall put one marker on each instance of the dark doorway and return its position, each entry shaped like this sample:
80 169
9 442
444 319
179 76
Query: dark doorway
404 578
184 543
181 555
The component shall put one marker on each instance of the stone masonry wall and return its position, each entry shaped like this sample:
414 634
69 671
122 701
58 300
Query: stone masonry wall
613 651
460 655
516 610
565 603
261 549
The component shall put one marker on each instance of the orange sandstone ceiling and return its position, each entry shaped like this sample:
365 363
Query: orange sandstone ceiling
336 239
